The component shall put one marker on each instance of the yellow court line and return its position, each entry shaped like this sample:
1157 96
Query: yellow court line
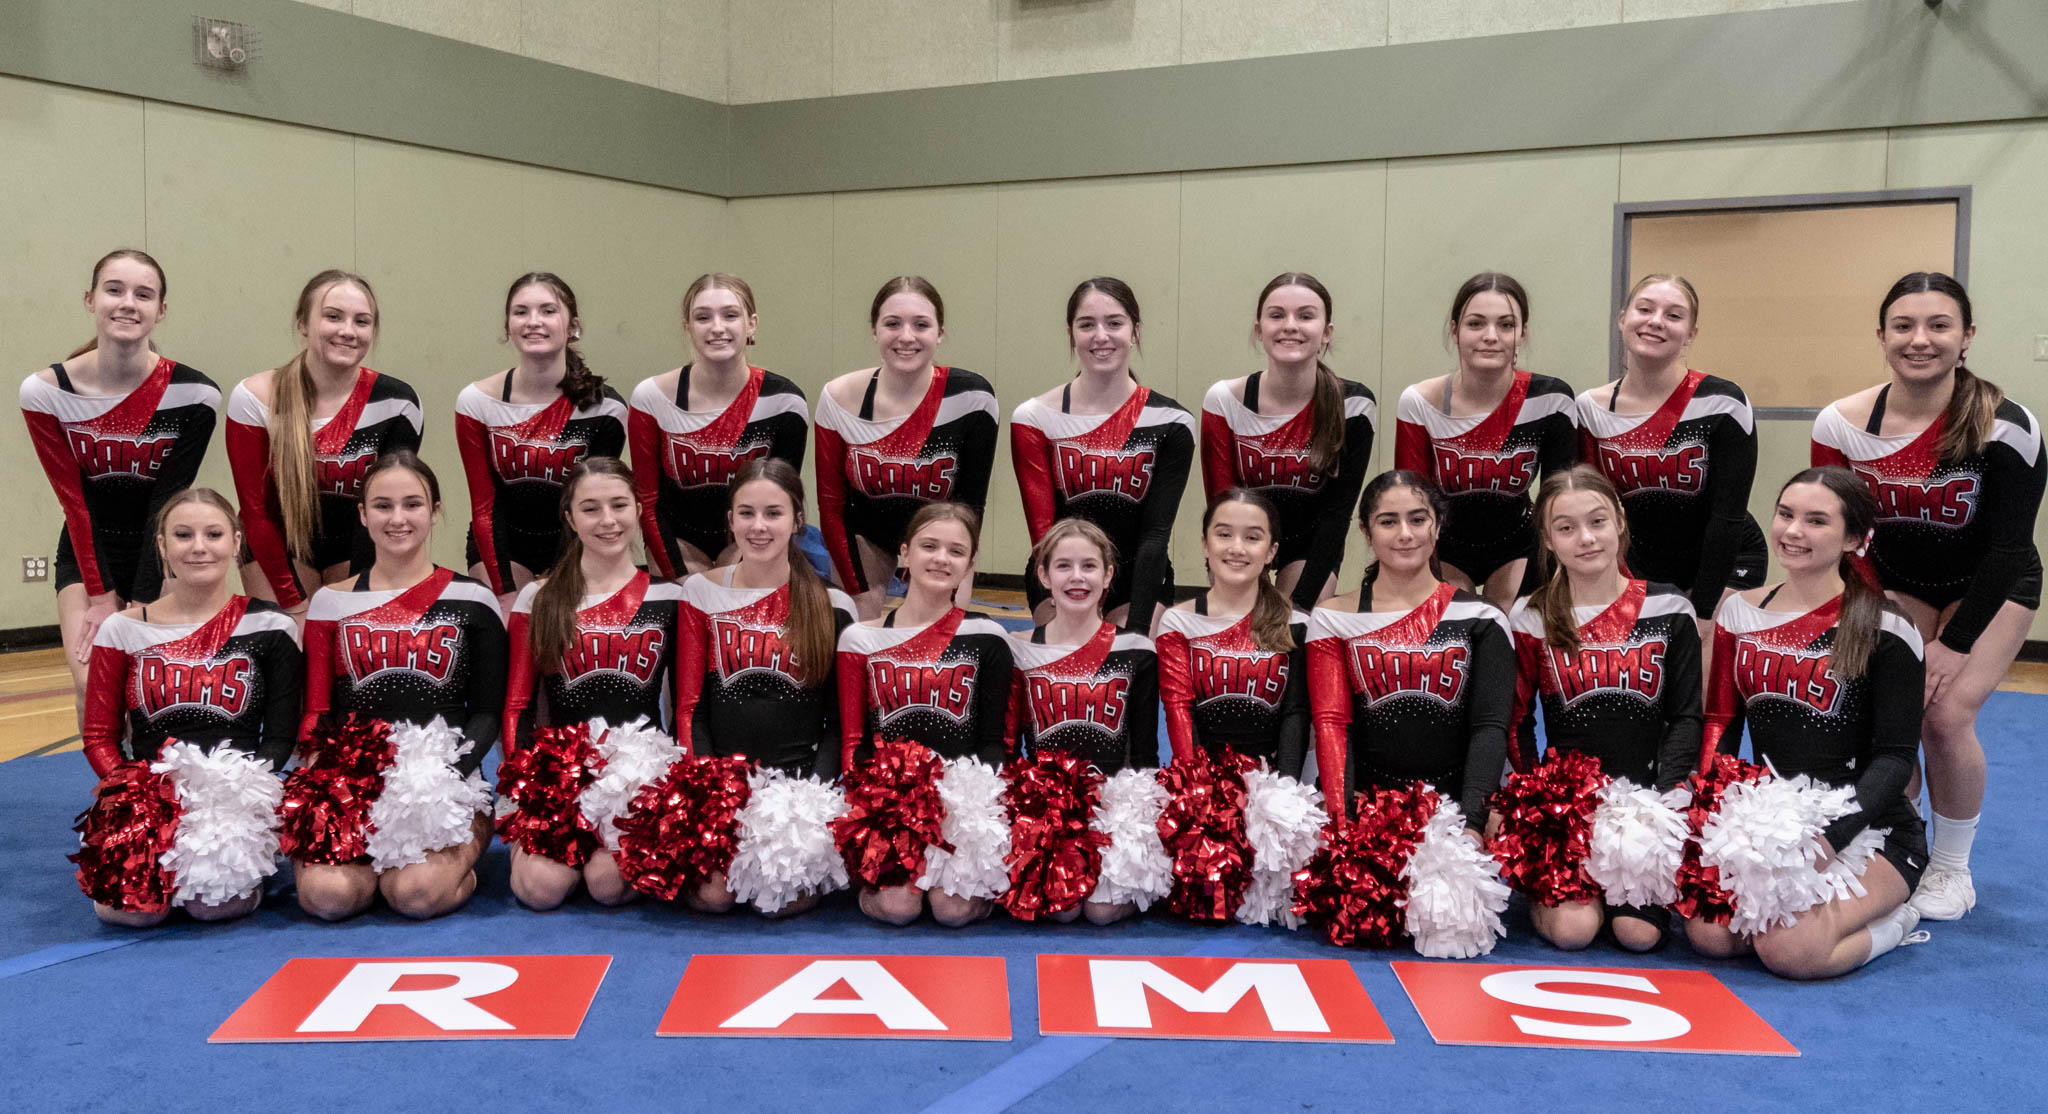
55 709
7 677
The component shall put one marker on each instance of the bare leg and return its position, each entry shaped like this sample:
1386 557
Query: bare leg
127 919
1289 575
1569 927
1506 581
606 885
959 912
714 896
1834 938
226 910
541 883
1715 941
1458 578
71 605
878 568
1102 912
442 883
334 892
897 905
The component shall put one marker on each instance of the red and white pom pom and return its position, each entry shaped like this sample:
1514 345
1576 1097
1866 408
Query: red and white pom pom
425 805
1283 821
1764 841
1455 895
1638 842
786 851
635 756
226 842
978 827
1136 870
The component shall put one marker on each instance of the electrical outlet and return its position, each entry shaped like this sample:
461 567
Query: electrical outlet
34 569
2041 346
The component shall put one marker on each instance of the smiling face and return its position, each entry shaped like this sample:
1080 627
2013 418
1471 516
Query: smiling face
907 332
1102 335
1657 323
719 325
199 544
762 521
939 556
1809 533
398 512
1584 530
1294 326
537 322
341 326
1076 574
604 514
1239 544
1489 332
1924 337
1402 530
126 301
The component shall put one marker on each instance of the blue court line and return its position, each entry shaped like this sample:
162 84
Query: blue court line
61 953
1013 1080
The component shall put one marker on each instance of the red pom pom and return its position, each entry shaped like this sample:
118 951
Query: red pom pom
360 748
326 809
1699 886
1055 857
121 837
1546 828
678 832
1351 890
1202 827
546 779
893 813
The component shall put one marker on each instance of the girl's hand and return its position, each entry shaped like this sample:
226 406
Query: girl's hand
97 608
1943 664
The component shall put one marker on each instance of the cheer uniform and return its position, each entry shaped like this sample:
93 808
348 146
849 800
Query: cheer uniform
945 686
873 475
1270 455
1488 464
684 459
1773 670
1684 472
516 457
1098 700
113 461
625 648
1123 471
1407 696
737 691
407 655
231 681
1949 531
1221 690
381 414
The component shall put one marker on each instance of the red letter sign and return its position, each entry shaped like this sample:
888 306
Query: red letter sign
1205 997
927 997
437 998
1650 1009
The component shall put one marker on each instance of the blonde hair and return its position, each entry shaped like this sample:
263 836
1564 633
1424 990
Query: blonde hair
292 391
719 280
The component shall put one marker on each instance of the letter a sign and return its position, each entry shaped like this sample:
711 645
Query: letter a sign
425 998
920 997
1644 1008
1205 997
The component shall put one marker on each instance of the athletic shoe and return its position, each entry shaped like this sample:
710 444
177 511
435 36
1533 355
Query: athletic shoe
1945 895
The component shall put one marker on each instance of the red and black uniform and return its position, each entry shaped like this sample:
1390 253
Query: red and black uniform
1220 689
231 681
625 649
737 692
516 457
1098 700
1270 455
946 687
1629 697
1489 465
1684 472
1407 696
406 655
1772 669
382 414
684 459
113 461
1949 530
1123 471
874 475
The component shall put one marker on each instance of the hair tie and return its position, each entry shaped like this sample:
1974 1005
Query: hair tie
1868 537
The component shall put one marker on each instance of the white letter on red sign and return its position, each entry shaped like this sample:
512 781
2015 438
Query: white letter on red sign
369 985
1645 1022
1284 995
877 992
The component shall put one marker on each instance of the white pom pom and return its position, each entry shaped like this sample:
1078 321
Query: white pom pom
634 755
1283 821
785 847
425 805
1638 842
1843 877
226 841
1765 840
978 827
1136 870
1455 895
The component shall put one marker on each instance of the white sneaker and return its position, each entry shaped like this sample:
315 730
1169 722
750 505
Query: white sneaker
1945 895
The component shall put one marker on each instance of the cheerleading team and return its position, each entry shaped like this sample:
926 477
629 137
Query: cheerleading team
1957 471
1614 662
215 673
1485 433
1295 433
897 437
522 430
119 430
1109 450
301 439
694 427
407 643
1827 675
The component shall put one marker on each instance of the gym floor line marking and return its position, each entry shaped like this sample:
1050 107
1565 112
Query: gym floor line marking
63 953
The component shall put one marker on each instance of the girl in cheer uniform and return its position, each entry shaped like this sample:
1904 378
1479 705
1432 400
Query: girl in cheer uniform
1109 451
198 665
1483 433
895 438
404 642
1411 678
302 437
522 430
119 431
1615 663
1957 471
1294 433
694 427
1828 678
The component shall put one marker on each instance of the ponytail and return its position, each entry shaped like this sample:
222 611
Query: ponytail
1552 600
810 632
1272 614
1326 404
583 388
1863 602
551 633
1973 404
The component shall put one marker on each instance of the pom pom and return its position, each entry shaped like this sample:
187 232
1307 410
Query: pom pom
1055 856
1136 870
545 780
1637 845
122 838
971 859
1455 895
678 832
425 805
1546 827
634 756
1699 886
1764 841
893 812
1842 878
227 834
1353 891
325 816
1283 821
1202 828
785 847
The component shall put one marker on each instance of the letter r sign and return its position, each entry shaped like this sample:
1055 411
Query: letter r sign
430 998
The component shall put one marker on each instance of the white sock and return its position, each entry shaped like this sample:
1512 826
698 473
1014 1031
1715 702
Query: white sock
1952 839
1886 934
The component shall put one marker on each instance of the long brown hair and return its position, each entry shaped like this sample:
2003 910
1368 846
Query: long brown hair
1116 290
552 632
1552 600
809 632
292 468
1973 405
1326 405
1863 603
583 387
1271 613
140 256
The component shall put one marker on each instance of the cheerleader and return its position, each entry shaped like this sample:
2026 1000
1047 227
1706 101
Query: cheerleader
1824 673
522 430
406 642
198 665
1108 450
595 638
1680 446
302 437
1294 433
1957 471
1615 663
695 426
1232 672
119 430
897 437
931 674
1411 678
1483 433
